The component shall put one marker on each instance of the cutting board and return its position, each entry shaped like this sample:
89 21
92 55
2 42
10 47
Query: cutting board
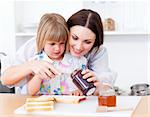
126 105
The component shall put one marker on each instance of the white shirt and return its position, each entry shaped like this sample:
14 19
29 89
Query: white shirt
97 61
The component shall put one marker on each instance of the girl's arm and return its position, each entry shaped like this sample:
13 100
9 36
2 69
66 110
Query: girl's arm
33 86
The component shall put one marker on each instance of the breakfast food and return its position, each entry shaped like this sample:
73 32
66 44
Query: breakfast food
46 103
70 99
39 108
109 101
39 104
40 99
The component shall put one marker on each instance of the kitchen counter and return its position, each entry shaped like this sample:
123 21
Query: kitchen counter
143 108
10 102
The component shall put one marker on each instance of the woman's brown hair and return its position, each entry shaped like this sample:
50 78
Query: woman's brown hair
52 27
91 20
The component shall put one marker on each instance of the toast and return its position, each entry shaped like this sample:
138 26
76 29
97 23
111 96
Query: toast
70 99
48 103
39 108
40 99
39 104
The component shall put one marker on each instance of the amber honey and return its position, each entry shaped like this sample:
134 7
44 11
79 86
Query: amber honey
109 101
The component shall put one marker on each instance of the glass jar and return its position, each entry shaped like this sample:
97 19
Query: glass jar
107 97
86 87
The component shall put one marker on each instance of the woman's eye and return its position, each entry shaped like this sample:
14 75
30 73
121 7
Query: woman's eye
75 38
88 42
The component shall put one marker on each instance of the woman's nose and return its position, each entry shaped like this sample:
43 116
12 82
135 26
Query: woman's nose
79 46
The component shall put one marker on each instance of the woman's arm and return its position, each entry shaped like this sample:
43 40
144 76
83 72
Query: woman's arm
16 73
14 69
98 62
98 71
33 86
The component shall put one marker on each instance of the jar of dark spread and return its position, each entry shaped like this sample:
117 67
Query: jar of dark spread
86 87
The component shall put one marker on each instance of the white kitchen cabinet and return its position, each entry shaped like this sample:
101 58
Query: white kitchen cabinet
28 14
128 15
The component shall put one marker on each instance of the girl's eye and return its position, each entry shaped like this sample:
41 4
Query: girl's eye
52 43
74 37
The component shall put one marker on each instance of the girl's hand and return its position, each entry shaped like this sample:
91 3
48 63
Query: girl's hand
43 69
77 93
90 76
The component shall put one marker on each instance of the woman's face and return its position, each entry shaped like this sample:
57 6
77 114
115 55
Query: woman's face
81 40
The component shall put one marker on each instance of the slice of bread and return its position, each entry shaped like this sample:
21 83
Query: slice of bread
48 103
70 99
39 104
39 108
40 99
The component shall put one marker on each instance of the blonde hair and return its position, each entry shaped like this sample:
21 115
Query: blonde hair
52 27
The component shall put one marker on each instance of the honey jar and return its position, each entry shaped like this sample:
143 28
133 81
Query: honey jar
107 98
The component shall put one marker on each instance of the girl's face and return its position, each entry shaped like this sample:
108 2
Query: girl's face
81 40
54 49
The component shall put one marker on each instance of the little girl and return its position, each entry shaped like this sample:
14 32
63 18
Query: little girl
52 39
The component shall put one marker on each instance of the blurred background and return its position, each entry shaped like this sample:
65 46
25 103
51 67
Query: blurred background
126 25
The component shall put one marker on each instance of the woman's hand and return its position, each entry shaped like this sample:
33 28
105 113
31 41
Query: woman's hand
90 76
41 68
77 93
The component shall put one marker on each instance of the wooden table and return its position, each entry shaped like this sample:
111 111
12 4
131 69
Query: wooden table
9 102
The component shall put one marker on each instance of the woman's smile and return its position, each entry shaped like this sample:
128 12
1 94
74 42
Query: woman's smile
81 40
77 52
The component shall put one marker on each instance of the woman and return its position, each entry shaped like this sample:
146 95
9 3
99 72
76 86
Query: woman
86 39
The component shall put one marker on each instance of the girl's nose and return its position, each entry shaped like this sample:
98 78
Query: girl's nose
57 47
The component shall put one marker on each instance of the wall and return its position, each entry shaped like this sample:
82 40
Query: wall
28 13
7 32
128 55
129 15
